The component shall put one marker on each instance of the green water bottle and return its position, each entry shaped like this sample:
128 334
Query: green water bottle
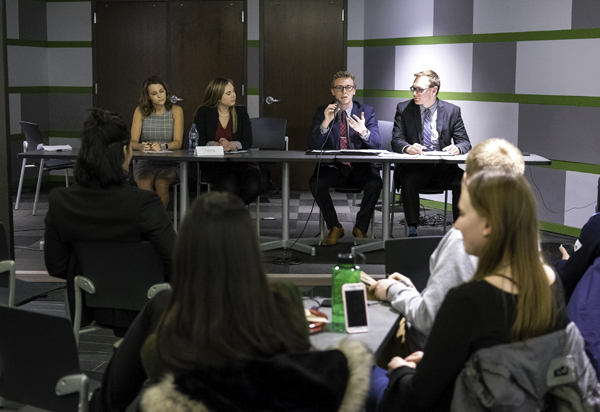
346 271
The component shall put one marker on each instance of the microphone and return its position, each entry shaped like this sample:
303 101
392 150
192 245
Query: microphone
337 110
174 99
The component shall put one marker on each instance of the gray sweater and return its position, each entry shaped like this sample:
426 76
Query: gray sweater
449 266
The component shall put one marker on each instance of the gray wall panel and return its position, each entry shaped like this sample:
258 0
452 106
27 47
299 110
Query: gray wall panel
34 108
585 14
69 111
494 67
385 107
452 17
551 183
253 66
379 67
32 20
560 132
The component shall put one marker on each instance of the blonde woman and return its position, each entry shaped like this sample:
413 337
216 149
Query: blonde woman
221 123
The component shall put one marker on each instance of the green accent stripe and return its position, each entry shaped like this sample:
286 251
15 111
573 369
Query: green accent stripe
253 91
547 226
583 101
51 89
48 44
558 228
481 38
574 167
253 43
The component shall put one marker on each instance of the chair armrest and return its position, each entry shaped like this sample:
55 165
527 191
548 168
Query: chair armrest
154 289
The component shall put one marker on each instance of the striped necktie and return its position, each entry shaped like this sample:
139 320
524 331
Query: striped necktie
427 130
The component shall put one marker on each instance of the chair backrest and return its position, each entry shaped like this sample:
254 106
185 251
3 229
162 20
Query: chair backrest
410 257
268 133
122 272
36 351
33 135
385 133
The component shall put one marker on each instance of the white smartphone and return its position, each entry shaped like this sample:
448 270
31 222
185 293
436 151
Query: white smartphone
355 307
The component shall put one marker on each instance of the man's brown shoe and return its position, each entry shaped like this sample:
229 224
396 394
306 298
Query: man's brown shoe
333 236
358 233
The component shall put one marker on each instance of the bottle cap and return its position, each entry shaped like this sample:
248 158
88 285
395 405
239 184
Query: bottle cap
345 258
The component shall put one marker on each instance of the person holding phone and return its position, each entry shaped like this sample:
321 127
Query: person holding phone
513 297
157 125
227 337
220 122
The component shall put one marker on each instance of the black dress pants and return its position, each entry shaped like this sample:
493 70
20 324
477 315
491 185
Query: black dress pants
242 179
364 176
415 177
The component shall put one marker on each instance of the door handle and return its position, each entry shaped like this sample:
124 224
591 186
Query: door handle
174 99
270 100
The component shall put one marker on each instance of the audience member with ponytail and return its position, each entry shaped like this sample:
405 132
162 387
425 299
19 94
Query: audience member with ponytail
101 206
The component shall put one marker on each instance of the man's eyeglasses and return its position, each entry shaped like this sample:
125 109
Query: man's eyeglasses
342 88
417 90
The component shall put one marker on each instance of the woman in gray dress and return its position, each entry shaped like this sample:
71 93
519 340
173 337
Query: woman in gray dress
157 125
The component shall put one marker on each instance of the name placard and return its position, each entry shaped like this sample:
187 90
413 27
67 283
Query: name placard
209 151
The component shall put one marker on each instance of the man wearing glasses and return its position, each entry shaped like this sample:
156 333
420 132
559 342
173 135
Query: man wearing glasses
423 124
345 124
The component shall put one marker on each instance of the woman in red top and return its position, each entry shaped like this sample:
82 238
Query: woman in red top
221 123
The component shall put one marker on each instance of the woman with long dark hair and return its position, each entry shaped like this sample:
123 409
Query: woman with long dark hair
157 125
220 122
229 338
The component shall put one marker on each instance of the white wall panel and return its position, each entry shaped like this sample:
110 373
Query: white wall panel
253 106
498 16
253 20
356 65
452 62
356 19
70 67
398 18
549 67
484 120
27 66
12 19
14 102
69 21
580 190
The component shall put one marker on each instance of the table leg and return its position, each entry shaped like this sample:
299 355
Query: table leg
369 245
285 241
183 189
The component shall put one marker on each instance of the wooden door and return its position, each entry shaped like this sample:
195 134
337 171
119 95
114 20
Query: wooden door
207 40
130 45
302 46
186 43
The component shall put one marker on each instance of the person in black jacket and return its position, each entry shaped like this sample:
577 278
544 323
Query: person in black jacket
221 123
102 207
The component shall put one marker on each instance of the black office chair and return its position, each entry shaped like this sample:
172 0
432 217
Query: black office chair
268 133
115 275
410 257
39 363
33 138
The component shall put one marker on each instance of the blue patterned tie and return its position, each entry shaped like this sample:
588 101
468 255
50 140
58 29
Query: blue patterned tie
427 130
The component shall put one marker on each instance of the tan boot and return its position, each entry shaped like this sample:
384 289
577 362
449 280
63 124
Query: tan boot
333 236
358 233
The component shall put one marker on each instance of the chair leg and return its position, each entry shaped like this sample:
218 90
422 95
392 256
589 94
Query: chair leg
20 184
321 225
37 189
67 177
445 209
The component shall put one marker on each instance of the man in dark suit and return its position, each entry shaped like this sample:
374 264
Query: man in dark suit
426 123
345 124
